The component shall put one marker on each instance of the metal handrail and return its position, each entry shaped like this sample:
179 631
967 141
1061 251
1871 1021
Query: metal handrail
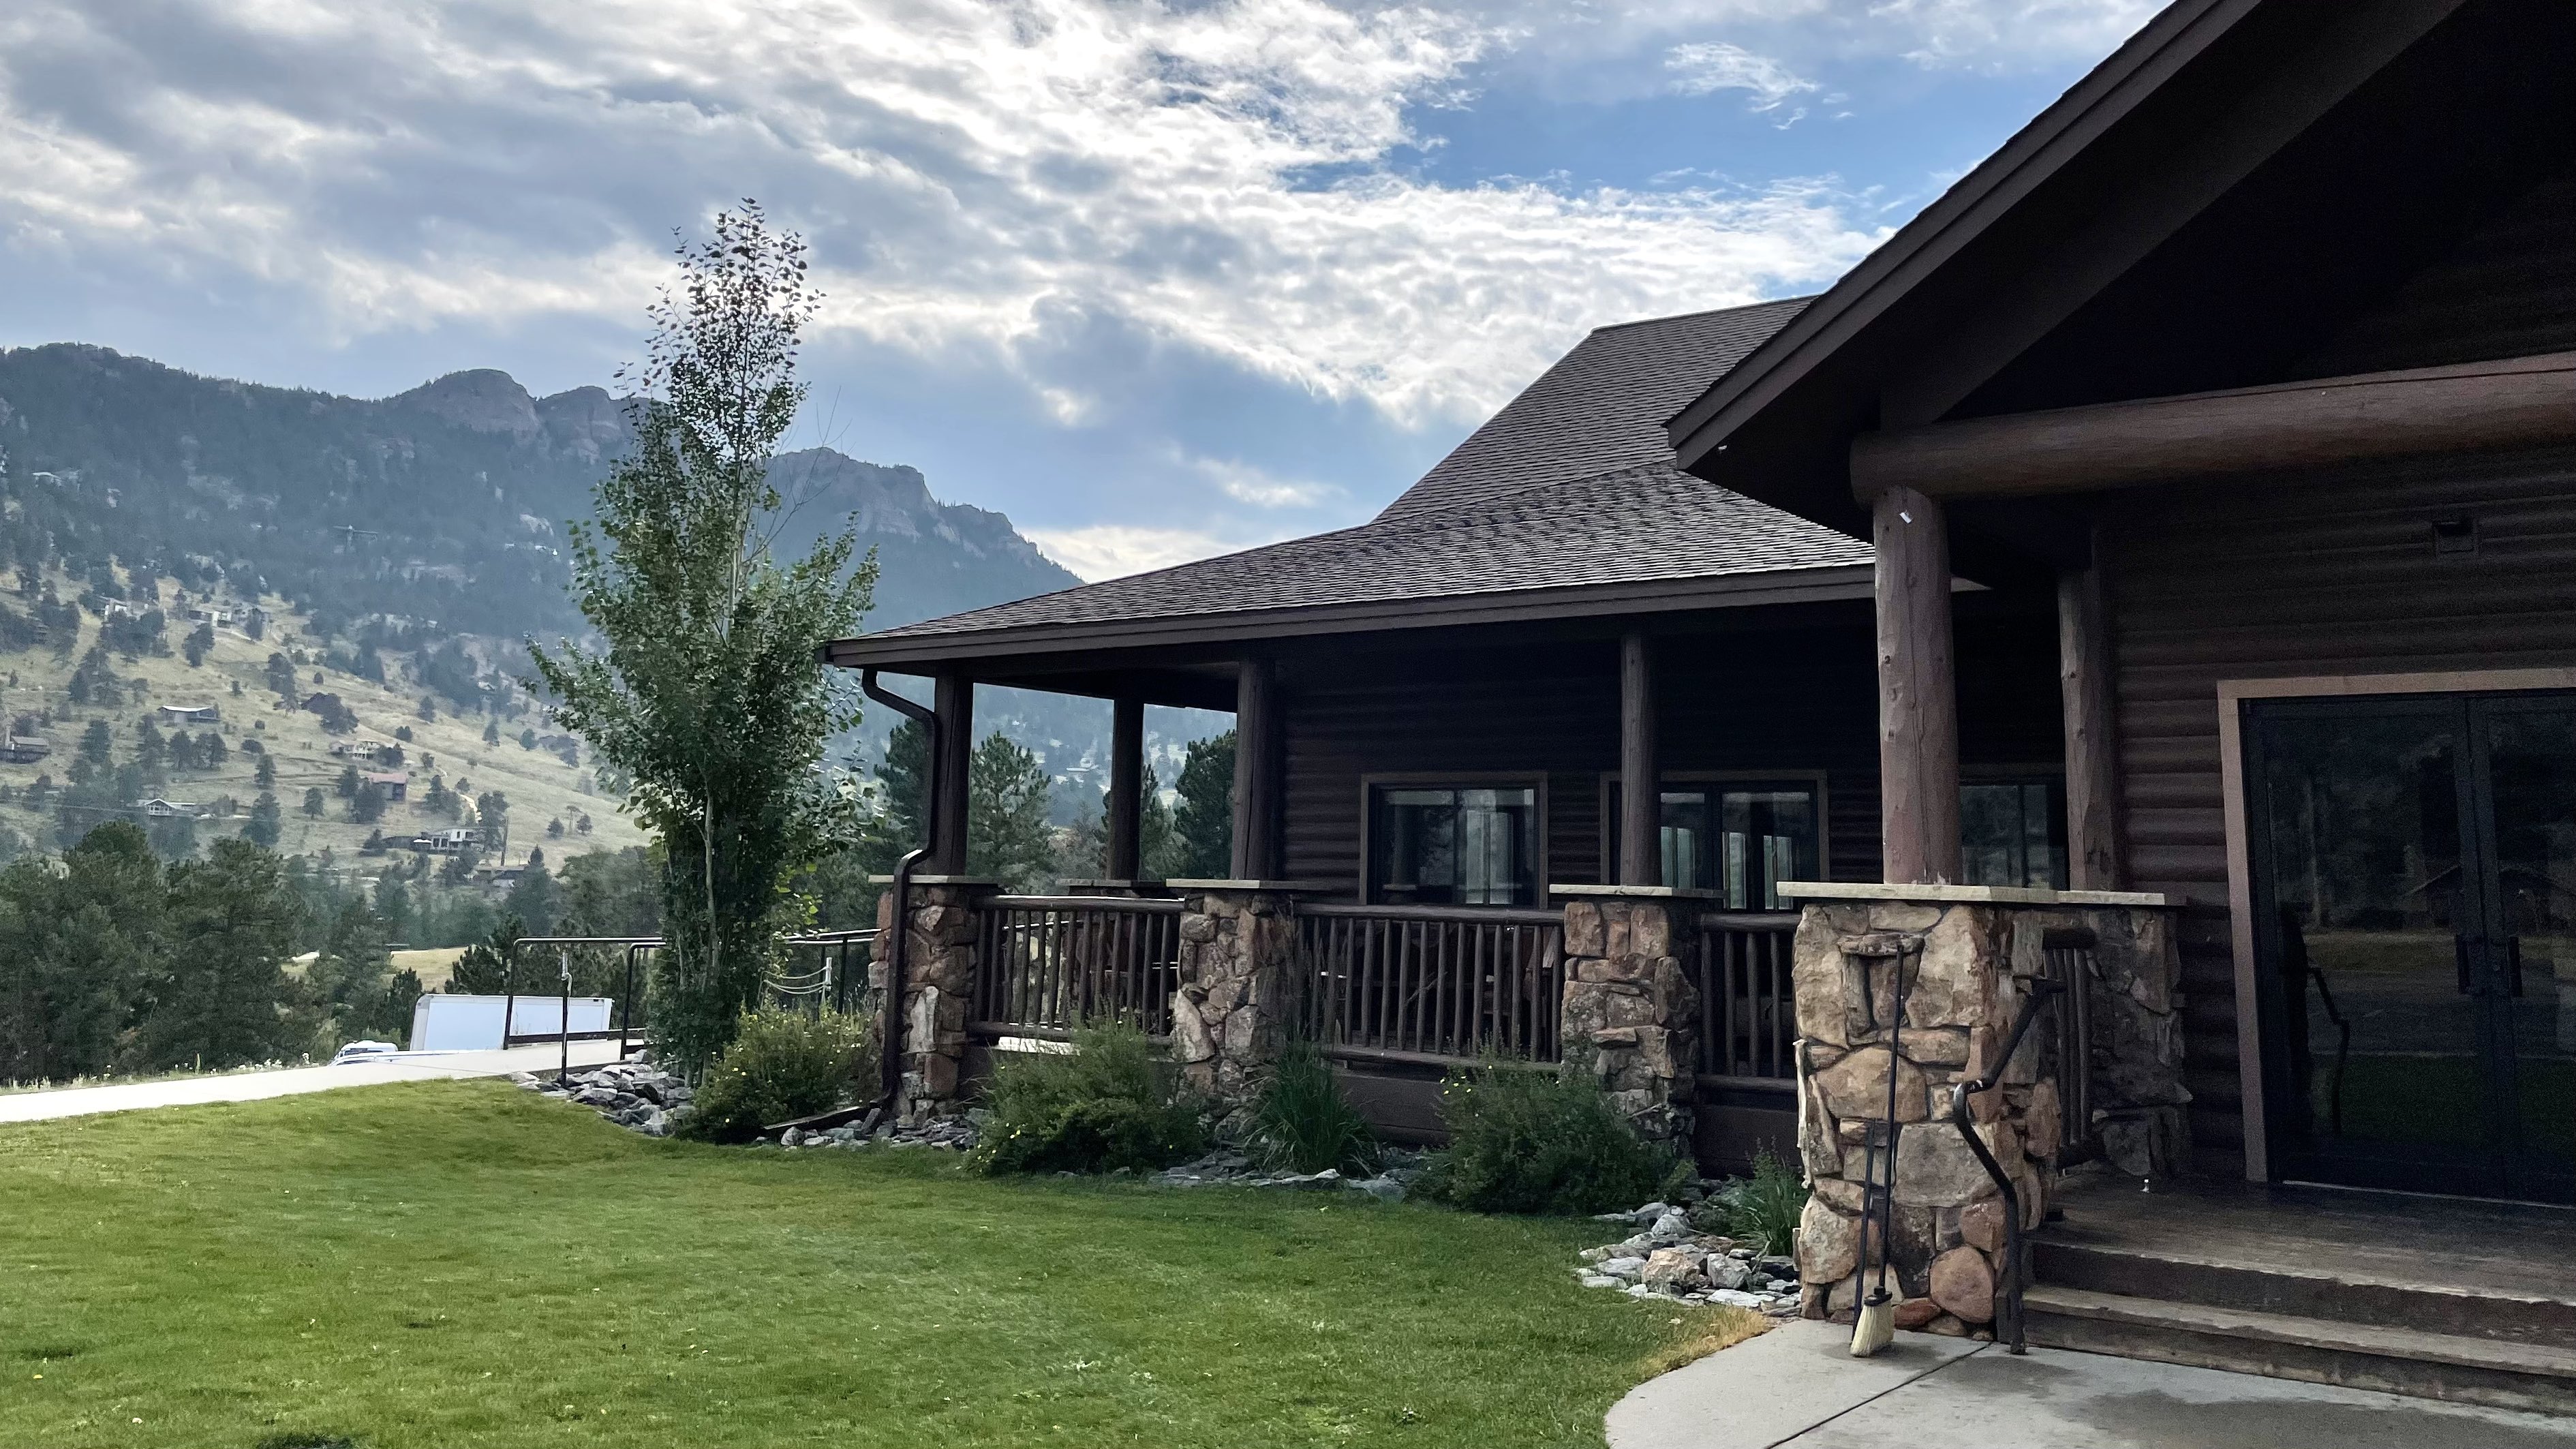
2016 1264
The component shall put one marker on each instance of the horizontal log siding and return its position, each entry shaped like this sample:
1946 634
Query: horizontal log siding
1798 700
2328 573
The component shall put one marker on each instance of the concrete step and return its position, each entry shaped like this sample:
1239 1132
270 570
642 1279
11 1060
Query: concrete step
2390 1358
2371 1291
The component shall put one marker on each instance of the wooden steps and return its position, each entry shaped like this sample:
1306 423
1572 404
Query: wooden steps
2357 1330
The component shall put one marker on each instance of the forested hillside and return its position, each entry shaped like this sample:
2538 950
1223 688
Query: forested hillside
443 505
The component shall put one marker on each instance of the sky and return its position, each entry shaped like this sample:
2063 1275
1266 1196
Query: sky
1158 280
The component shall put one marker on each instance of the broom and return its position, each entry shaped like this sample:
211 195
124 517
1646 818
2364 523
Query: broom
1874 1325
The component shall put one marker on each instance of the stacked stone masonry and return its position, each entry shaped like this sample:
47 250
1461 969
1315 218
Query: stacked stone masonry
938 994
1237 997
1968 966
1630 1006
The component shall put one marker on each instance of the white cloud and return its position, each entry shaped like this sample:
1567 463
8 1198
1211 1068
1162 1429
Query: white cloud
1114 550
993 181
1245 483
1704 66
1986 33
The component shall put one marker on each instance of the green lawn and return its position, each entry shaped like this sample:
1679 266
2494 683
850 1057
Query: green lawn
462 1264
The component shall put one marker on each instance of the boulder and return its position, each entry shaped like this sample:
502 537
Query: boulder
1675 1270
1914 1313
1856 1087
1828 1243
1964 1285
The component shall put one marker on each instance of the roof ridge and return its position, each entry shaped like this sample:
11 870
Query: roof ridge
1707 312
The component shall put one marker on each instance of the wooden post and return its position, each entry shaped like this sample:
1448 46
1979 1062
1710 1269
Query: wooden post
1641 808
2093 844
954 701
1126 787
1918 704
1256 776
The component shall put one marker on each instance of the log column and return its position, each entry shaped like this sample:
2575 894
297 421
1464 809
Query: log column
1256 770
1918 706
1126 787
954 701
1640 787
2093 846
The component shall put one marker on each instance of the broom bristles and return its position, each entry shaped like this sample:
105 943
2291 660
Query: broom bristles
1873 1328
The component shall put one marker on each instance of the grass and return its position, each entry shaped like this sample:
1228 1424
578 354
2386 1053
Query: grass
462 1264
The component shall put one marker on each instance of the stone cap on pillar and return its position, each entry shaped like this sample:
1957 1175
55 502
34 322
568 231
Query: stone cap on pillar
1635 892
1822 890
941 880
1309 887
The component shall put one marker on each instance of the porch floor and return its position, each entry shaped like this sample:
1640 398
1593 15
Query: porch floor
2436 1244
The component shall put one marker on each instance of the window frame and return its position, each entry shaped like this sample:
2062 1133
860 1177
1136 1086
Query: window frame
1532 780
1609 791
2052 775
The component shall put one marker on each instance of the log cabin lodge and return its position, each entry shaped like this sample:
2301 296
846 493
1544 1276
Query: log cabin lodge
2172 527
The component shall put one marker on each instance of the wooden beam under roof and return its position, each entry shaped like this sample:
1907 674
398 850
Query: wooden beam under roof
2513 402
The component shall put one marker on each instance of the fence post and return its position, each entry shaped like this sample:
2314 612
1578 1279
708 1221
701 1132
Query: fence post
1630 1004
938 989
1239 989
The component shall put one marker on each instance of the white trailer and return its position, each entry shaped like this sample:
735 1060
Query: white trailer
443 1023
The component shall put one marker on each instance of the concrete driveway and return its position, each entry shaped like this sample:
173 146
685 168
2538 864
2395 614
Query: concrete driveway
288 1082
1798 1385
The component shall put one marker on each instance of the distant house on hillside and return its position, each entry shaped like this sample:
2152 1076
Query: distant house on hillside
189 714
209 614
455 840
368 750
396 784
159 809
23 749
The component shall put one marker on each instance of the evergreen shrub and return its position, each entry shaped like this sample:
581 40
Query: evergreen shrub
1303 1123
1111 1102
1526 1139
780 1065
1761 1211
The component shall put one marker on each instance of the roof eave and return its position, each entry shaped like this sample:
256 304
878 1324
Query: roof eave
1977 201
1642 596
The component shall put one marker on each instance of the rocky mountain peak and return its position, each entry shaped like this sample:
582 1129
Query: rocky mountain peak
485 399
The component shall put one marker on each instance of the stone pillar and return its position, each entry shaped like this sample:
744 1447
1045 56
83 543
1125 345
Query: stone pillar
1969 956
1238 996
938 990
1629 1006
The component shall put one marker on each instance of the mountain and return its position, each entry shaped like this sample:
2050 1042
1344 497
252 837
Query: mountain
443 503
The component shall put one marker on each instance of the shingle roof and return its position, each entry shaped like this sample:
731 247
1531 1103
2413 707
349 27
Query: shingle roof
1601 407
1571 484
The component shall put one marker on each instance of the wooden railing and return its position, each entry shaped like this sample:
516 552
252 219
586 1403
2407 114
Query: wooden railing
1432 985
1047 964
1748 1015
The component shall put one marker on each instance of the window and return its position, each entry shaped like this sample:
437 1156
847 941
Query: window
2013 833
1738 839
1453 845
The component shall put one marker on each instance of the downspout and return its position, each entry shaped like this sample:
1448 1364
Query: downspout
890 1034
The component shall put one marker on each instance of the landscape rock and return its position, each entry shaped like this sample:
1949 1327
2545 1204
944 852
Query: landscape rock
1964 1285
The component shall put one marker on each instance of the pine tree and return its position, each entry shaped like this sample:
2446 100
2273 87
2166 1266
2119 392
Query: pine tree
1007 837
1205 820
226 1000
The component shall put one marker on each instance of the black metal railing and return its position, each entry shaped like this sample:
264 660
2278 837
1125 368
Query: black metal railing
2068 954
820 971
1431 984
1047 964
1748 1023
2046 993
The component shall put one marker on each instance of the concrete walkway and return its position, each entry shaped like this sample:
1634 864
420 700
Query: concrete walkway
1798 1385
291 1081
